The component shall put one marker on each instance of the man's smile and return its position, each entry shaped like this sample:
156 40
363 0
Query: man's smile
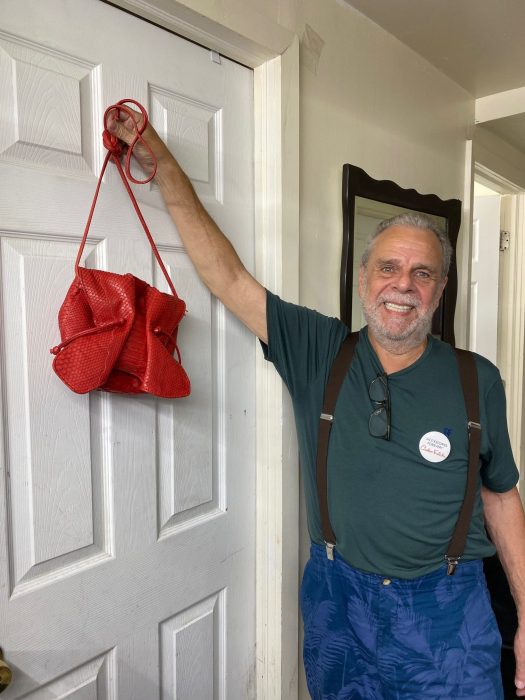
398 308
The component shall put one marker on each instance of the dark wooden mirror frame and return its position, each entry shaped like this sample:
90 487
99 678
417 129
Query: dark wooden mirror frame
356 183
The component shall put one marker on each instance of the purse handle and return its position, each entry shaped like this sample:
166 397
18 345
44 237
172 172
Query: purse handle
114 148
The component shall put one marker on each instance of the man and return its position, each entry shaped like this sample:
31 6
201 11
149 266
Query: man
382 618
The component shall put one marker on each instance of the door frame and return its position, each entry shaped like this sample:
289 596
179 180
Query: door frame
276 182
511 321
511 305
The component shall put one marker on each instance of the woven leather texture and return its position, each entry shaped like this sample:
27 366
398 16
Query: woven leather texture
119 334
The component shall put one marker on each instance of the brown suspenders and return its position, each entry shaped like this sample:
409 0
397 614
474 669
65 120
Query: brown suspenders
469 384
338 372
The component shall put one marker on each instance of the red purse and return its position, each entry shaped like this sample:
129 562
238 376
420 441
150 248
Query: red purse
118 332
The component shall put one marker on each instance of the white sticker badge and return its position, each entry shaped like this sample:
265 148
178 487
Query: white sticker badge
434 446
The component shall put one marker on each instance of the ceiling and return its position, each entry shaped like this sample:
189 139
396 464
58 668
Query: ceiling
478 43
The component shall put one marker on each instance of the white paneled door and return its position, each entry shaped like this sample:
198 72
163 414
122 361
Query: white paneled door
127 562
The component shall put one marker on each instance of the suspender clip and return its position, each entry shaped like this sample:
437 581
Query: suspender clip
330 546
473 424
452 564
327 416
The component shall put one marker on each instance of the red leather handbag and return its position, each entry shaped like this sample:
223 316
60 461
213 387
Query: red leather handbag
118 332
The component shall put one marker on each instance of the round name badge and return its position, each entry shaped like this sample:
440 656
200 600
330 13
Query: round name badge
434 446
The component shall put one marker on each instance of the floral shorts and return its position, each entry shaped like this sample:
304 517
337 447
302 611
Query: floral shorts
369 637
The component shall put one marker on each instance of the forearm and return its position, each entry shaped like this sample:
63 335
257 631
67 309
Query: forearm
212 254
505 523
210 251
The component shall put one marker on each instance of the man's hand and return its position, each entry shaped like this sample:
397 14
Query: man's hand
120 124
519 652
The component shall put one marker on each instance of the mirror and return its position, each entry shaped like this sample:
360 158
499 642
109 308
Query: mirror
366 202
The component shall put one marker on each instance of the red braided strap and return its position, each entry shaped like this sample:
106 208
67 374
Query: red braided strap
114 148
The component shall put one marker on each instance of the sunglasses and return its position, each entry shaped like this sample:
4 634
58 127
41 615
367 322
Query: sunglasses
379 421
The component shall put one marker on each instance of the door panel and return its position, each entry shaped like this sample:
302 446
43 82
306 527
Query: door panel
127 557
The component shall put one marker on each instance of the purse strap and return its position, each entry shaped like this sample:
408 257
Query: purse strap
114 148
469 385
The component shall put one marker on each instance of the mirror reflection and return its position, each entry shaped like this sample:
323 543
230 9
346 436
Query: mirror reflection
366 202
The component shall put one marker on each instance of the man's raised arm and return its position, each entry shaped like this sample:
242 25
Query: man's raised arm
212 254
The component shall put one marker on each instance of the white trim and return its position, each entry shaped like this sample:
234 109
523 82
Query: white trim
511 305
499 105
180 19
463 256
276 147
495 182
276 127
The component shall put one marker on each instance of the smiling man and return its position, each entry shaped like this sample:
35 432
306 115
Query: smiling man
402 277
383 620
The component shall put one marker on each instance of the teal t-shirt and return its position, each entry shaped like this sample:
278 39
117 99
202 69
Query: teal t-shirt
392 510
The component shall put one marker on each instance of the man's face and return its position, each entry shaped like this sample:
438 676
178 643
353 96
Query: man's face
401 285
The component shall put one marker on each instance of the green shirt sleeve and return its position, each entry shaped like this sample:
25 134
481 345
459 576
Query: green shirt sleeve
300 341
498 469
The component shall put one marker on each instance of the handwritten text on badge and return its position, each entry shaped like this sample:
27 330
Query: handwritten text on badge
434 446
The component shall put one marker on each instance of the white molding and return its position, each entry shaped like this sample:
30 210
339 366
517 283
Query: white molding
276 129
499 105
496 182
276 149
464 254
182 20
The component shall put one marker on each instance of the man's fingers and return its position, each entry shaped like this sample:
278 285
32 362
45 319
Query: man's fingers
118 128
519 682
519 652
123 125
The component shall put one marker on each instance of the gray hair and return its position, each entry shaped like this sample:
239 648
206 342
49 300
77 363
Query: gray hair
414 220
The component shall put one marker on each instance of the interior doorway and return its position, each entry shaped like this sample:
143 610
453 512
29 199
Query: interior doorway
497 324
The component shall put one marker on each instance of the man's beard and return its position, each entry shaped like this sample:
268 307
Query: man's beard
404 339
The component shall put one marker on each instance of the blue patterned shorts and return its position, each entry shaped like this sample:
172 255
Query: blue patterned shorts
367 637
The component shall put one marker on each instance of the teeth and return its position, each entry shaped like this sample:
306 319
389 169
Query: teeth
396 307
